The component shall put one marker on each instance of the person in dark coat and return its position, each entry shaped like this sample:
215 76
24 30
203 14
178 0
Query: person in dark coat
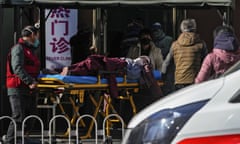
163 41
130 37
80 45
160 39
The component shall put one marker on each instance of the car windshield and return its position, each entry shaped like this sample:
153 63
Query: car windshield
234 68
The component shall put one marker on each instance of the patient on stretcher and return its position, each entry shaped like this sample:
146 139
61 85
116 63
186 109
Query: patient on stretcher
112 71
95 63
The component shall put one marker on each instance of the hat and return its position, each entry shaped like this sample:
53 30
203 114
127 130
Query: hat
133 30
226 40
156 26
28 30
188 25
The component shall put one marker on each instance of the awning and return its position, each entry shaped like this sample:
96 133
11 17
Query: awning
100 3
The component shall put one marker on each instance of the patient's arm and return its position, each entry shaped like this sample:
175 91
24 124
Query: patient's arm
64 71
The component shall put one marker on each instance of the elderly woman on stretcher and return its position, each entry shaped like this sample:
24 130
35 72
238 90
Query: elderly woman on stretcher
138 70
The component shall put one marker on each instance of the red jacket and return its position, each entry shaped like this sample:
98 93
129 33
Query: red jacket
95 63
31 65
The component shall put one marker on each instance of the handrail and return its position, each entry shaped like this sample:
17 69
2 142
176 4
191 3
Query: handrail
15 126
104 123
96 127
50 127
41 122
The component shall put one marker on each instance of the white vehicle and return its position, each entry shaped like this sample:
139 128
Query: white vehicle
205 113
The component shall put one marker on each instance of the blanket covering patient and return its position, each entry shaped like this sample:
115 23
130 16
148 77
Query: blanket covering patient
139 69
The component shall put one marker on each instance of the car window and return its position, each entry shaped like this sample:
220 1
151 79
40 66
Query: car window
234 68
236 97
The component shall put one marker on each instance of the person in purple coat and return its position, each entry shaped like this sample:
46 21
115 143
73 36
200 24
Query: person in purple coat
225 53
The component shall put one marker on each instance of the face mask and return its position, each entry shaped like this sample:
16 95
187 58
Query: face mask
145 41
36 43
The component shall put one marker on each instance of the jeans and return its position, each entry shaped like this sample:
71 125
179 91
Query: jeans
21 106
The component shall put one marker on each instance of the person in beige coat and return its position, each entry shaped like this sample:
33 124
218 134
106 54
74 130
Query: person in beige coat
147 48
187 52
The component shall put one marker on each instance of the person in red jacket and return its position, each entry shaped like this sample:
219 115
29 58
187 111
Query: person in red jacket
23 67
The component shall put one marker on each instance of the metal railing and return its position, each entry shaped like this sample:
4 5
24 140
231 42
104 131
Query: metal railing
41 122
104 124
96 127
52 120
50 127
15 126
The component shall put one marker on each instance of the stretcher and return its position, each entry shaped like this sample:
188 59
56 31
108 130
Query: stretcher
76 88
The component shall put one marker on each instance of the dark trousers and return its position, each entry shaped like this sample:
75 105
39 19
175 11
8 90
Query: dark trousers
21 106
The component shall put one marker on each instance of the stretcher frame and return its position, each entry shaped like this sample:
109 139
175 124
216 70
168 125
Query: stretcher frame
59 87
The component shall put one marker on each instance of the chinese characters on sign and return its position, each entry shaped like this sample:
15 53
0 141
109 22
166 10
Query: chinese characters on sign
60 26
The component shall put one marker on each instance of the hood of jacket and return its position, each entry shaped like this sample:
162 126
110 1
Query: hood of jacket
226 41
227 56
188 38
